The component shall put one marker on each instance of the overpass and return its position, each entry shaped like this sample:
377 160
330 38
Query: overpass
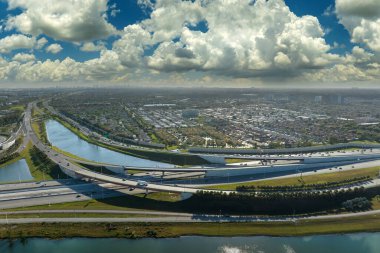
76 171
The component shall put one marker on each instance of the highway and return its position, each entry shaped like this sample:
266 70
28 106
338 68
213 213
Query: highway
29 194
77 171
50 192
32 194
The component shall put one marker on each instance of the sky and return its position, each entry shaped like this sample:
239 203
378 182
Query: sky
233 43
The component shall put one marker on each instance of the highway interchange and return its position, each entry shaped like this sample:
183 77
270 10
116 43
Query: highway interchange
102 186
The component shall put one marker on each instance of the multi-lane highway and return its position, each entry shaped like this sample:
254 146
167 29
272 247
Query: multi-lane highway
27 194
76 171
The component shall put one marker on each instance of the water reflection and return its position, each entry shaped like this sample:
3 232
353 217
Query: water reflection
368 243
15 172
64 139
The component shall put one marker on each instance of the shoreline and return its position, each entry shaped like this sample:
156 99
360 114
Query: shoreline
192 235
137 230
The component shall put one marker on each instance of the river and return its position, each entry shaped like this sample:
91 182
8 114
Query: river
66 140
352 243
15 172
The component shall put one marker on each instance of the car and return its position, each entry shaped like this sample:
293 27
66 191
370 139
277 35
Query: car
78 196
142 183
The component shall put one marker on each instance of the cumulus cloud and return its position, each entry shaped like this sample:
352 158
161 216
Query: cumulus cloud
362 20
54 48
181 41
92 47
130 48
41 43
21 57
16 41
68 20
260 37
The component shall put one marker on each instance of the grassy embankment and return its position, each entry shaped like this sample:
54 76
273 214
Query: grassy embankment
369 223
39 165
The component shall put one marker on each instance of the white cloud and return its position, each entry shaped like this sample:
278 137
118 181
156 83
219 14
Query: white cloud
168 18
114 10
21 57
92 47
239 41
16 41
329 11
145 4
362 20
41 43
244 38
54 48
131 46
69 20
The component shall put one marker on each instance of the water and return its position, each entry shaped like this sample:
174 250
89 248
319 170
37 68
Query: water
15 172
66 140
353 243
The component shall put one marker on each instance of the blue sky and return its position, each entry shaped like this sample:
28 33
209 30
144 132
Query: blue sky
140 36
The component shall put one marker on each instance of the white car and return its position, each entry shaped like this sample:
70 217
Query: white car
142 183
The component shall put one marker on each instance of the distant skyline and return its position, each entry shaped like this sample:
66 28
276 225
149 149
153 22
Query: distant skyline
229 43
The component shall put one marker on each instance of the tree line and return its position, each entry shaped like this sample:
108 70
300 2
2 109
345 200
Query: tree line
278 203
321 186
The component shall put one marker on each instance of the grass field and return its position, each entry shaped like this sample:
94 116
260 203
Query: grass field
40 169
369 223
37 130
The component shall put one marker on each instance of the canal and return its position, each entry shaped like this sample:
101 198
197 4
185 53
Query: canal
351 243
66 140
15 172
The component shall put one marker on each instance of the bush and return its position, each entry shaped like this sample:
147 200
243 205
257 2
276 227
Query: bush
322 186
357 204
276 202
